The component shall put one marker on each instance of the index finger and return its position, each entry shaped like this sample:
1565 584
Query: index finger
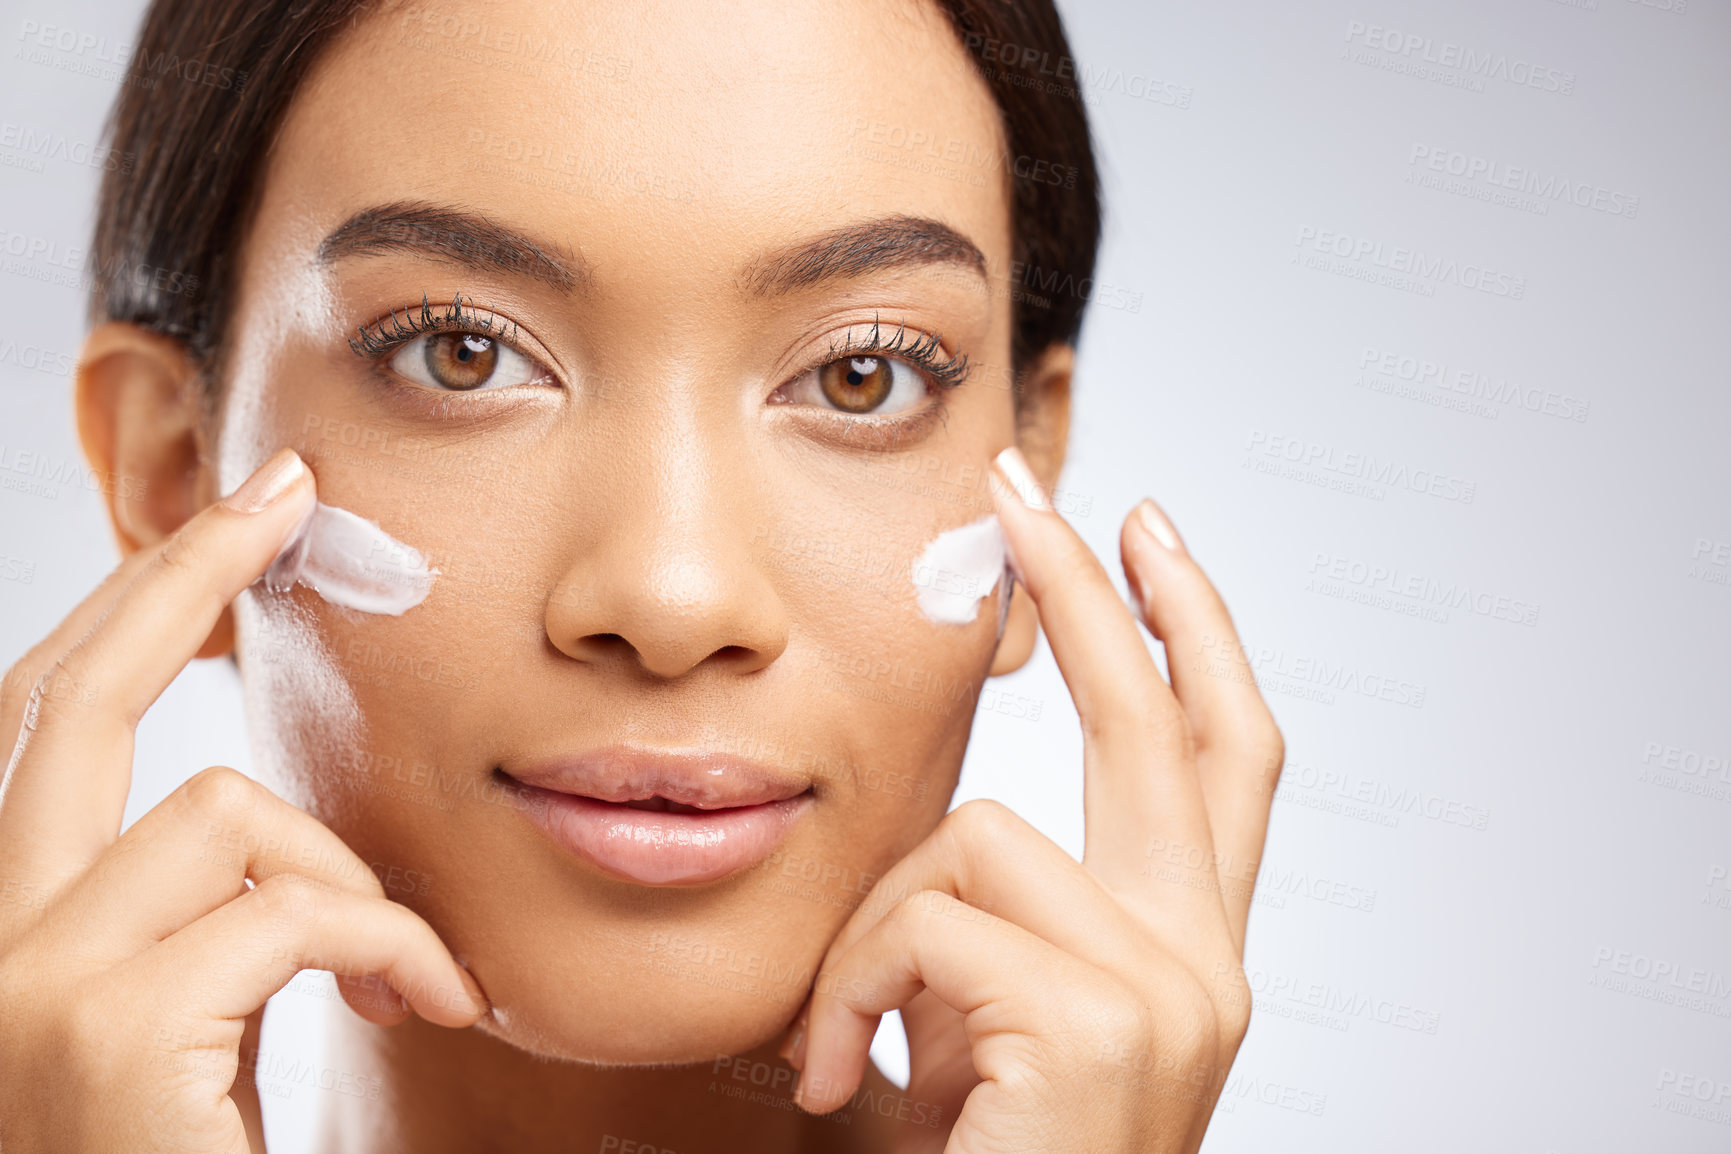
27 670
65 790
1239 749
1139 781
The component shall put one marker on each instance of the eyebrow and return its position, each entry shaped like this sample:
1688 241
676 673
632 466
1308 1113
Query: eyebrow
456 235
858 249
453 235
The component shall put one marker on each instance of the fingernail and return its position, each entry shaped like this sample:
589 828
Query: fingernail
1014 466
793 1046
274 478
1158 527
477 997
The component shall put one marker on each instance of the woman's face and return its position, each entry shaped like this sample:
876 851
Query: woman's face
663 530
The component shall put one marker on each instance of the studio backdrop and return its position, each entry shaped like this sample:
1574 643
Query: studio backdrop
1413 316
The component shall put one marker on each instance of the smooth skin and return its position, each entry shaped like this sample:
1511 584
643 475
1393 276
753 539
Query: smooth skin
1091 1009
1030 983
133 965
622 558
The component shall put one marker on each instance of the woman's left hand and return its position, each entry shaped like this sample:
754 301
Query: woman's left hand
1058 1005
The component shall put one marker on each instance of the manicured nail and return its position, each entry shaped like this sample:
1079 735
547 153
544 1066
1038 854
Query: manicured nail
793 1046
478 1003
274 478
1153 520
1015 469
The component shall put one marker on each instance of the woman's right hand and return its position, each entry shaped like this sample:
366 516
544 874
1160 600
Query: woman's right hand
131 965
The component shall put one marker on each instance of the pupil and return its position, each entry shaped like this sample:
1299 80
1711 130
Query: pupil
857 384
461 360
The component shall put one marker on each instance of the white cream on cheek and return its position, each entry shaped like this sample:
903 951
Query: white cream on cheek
350 561
958 569
345 559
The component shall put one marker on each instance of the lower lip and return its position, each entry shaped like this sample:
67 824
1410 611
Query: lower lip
661 848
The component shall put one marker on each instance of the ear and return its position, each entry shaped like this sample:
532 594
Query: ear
139 420
1043 435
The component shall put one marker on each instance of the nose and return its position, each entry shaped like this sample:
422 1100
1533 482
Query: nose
665 581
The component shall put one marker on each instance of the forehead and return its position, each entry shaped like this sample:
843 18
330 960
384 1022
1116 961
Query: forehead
628 130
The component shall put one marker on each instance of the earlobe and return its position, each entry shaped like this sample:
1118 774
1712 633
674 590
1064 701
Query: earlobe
1021 629
1043 434
139 424
1043 414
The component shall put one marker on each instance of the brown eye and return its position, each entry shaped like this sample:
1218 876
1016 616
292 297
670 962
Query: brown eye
465 362
864 384
461 360
857 384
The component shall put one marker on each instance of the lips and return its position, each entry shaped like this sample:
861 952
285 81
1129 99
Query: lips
663 818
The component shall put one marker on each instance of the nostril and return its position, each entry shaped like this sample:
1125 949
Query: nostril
667 617
599 647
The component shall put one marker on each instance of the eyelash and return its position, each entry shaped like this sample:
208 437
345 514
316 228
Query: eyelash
376 341
925 352
381 338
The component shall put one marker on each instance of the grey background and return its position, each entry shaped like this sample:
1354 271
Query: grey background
1501 862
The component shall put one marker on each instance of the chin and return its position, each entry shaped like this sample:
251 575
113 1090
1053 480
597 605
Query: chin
636 1023
639 976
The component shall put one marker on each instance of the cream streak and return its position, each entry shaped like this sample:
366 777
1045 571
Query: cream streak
958 569
350 561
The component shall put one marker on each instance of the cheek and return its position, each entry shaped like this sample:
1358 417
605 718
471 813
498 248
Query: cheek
958 569
352 563
303 709
384 731
874 676
351 709
893 580
398 536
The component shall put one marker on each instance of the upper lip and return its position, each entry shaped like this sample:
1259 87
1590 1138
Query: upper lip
696 778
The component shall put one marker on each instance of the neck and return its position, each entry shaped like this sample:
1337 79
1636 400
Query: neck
449 1091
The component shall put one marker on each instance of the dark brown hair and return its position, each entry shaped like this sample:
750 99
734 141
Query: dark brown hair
210 81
